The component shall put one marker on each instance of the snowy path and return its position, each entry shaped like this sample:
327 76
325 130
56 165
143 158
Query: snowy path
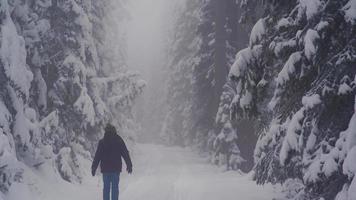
160 173
177 174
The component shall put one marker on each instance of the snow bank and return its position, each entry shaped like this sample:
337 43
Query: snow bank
20 191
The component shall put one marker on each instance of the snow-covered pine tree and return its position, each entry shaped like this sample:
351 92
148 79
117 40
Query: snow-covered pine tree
178 122
203 76
221 36
115 86
297 79
206 39
15 85
56 92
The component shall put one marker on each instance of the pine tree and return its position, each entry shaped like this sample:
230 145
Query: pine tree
296 79
178 120
56 89
221 37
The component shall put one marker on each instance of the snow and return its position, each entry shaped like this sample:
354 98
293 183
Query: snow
310 47
9 165
19 191
322 25
21 125
279 47
229 136
284 22
85 106
269 138
311 175
212 42
160 173
44 3
183 175
5 116
330 166
272 104
343 152
291 140
257 32
342 195
6 151
42 89
349 166
351 132
244 58
310 101
246 99
310 7
350 11
76 66
352 190
344 89
290 189
311 142
263 82
51 120
13 54
289 68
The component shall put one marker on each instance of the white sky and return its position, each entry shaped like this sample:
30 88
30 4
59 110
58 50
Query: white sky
146 33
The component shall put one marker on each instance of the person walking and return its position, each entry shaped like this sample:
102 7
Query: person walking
108 154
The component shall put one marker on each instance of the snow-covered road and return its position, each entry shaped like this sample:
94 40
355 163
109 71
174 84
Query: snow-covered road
167 173
160 173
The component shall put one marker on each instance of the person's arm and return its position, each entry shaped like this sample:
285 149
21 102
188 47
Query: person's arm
126 155
97 159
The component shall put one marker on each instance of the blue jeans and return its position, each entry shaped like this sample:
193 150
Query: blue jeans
111 182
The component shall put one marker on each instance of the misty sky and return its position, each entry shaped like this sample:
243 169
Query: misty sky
146 33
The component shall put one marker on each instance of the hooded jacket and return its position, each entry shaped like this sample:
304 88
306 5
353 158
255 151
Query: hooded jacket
109 153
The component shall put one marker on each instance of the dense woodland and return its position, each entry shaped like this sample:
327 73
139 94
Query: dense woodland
62 80
291 83
270 82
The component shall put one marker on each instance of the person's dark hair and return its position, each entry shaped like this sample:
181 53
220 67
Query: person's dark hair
110 131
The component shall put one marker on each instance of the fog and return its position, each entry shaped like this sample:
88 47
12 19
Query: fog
148 31
146 34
